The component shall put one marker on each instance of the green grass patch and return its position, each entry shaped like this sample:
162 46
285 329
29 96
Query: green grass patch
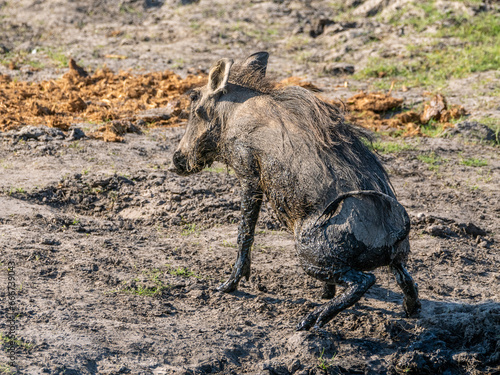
154 288
297 43
36 64
18 190
126 9
481 29
183 272
147 291
189 229
219 169
265 34
474 47
58 57
325 363
493 124
226 243
432 160
21 58
8 57
196 26
432 129
15 342
474 162
427 16
5 368
178 63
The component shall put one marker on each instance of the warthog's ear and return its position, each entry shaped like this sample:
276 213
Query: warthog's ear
257 62
219 74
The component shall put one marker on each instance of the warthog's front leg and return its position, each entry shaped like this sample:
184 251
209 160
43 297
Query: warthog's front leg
251 202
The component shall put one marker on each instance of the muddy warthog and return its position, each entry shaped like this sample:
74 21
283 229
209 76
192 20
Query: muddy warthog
322 181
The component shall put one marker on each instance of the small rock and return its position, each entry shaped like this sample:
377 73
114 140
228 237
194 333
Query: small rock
30 132
275 368
473 130
371 8
318 26
349 25
338 69
75 134
439 231
24 47
197 294
123 370
472 229
353 3
294 366
44 138
49 241
484 244
156 114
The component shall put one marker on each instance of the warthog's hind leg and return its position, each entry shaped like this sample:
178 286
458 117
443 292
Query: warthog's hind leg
357 283
328 291
411 302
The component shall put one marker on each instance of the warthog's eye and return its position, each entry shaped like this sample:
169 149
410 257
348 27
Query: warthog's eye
194 96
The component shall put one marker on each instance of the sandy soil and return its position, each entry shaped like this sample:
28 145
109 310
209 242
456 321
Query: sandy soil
117 259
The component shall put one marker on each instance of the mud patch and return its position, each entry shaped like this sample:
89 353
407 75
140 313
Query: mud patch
119 270
148 198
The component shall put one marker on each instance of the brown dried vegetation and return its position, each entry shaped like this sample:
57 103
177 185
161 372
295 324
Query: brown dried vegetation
116 101
102 97
370 111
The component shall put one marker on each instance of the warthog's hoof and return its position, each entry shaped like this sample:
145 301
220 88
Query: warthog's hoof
311 320
412 307
228 287
304 325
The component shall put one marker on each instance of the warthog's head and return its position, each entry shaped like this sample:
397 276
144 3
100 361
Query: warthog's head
199 146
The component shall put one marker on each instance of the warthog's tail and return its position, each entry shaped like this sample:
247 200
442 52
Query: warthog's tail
332 207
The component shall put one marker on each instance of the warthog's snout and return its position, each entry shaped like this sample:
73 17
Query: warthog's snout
180 163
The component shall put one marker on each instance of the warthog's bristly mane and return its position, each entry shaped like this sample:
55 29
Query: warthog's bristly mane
247 77
321 125
301 107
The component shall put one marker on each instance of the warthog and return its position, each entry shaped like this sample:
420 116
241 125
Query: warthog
322 181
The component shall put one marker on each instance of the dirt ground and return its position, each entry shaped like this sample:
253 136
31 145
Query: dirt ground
117 259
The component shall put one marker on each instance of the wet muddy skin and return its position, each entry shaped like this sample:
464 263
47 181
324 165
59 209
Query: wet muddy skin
334 249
